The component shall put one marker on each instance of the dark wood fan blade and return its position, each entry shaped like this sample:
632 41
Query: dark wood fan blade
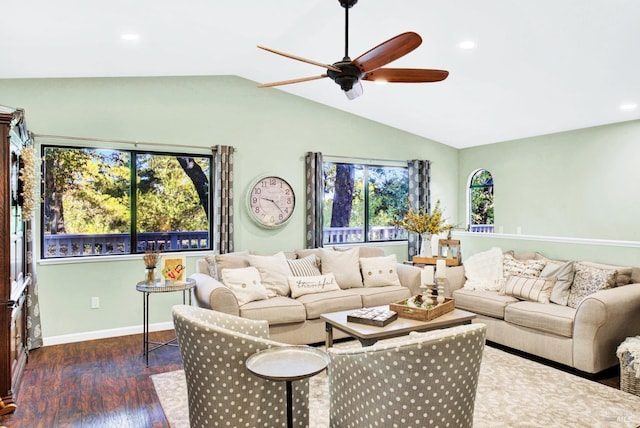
388 51
299 58
288 82
406 75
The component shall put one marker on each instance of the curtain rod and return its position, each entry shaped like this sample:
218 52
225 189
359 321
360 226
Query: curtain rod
366 159
103 140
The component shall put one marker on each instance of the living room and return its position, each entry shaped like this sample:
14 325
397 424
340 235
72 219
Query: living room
568 195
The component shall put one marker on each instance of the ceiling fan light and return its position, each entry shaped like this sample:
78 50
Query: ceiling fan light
355 91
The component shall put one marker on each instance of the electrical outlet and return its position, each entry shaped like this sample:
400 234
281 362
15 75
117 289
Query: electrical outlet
95 302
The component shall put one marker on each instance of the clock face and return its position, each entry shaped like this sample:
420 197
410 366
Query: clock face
271 201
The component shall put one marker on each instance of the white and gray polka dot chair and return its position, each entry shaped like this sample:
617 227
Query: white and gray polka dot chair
222 392
426 380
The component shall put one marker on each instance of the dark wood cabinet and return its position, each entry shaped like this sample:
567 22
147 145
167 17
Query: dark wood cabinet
13 281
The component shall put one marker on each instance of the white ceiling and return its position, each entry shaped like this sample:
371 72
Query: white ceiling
539 67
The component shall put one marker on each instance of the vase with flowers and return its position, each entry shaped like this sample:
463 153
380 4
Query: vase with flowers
424 224
150 262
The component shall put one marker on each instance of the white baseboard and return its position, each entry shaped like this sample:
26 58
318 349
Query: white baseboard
103 334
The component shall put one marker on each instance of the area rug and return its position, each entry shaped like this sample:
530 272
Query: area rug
512 392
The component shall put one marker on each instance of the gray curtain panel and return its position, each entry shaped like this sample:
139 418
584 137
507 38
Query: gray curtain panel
34 328
314 199
419 195
222 200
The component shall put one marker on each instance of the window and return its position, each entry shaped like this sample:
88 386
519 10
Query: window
481 201
106 201
355 212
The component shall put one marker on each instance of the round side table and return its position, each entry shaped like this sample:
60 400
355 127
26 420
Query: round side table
159 287
288 363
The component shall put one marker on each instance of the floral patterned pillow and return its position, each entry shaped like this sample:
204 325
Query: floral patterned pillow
589 279
529 268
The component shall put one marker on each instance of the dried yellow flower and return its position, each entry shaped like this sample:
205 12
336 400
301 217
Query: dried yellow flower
419 221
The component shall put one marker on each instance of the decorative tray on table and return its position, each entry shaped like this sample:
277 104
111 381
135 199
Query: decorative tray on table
372 316
408 308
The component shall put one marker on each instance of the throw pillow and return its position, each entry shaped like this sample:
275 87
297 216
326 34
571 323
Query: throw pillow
245 284
301 285
379 271
563 273
308 251
218 262
345 266
530 268
527 288
588 280
274 271
305 266
624 272
484 270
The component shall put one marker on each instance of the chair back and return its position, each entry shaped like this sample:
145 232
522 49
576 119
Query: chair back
423 380
214 347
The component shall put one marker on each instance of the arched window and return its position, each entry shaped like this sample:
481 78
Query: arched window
481 201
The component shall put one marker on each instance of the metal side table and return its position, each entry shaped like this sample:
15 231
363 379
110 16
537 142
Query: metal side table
159 287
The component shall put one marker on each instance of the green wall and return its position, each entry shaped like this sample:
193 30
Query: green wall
271 131
582 184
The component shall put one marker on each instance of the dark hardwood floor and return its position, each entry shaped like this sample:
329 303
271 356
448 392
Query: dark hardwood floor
104 383
98 383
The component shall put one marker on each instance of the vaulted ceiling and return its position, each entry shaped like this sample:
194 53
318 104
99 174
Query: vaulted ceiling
538 67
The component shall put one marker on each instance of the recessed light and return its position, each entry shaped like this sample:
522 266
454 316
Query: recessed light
467 44
628 106
130 36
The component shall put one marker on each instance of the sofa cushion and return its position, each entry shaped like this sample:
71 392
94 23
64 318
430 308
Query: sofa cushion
378 296
489 303
245 284
308 251
305 266
624 272
331 301
549 318
276 310
484 270
218 262
345 265
364 251
563 273
379 271
274 271
527 288
301 285
588 280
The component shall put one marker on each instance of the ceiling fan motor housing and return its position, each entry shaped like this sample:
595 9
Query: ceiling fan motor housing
349 74
348 3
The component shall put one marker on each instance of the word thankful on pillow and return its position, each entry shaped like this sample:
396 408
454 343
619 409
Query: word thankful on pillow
301 285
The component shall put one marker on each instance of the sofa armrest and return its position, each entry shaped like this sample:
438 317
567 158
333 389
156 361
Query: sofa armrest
410 277
212 294
603 320
455 280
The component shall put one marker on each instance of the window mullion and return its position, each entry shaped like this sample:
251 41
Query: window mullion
134 203
365 189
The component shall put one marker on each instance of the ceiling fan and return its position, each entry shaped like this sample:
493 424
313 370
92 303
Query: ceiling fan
348 73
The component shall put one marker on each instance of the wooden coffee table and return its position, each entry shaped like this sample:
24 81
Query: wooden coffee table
368 334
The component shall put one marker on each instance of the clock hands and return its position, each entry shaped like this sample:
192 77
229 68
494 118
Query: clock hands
274 203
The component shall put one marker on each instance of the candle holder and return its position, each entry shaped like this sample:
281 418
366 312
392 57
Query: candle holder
440 285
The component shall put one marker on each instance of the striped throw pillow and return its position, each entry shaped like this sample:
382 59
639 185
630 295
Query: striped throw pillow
305 266
527 288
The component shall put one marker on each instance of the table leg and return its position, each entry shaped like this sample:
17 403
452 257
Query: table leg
367 342
145 326
289 405
328 342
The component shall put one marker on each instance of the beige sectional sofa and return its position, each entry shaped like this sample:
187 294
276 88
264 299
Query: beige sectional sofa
596 307
296 320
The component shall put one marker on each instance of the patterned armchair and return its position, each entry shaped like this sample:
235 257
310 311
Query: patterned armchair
214 347
424 380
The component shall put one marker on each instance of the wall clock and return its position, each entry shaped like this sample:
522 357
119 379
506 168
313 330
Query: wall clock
271 202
